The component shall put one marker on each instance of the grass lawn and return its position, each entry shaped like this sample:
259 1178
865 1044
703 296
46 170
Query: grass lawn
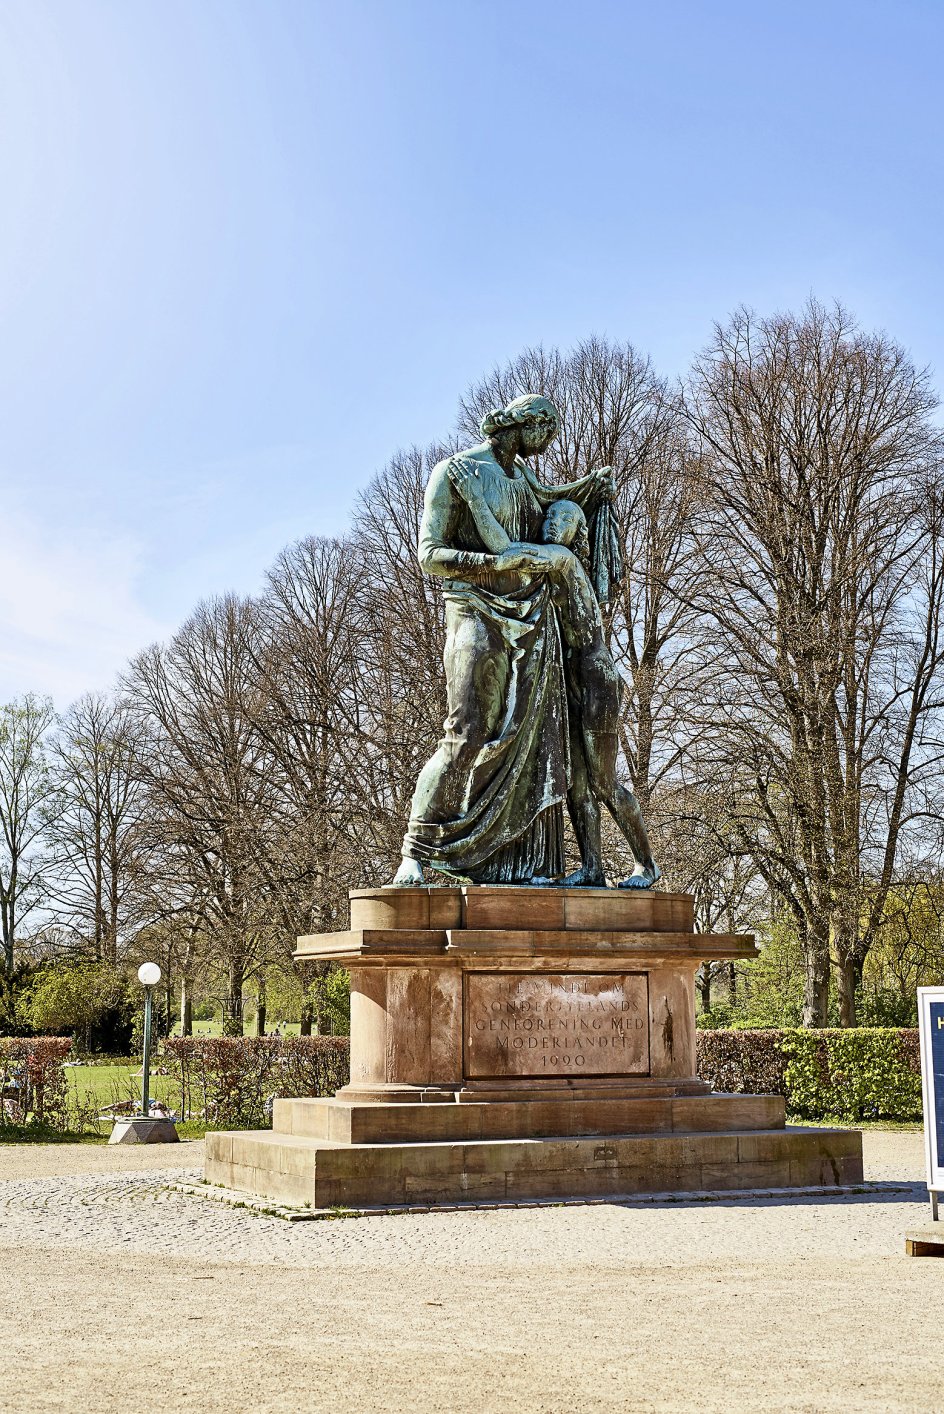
40 1134
95 1086
107 1084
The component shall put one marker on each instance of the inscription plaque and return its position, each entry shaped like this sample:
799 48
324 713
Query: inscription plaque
554 1024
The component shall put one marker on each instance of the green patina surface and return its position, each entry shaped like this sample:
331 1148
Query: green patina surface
532 692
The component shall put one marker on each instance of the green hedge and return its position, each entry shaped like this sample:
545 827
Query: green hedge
33 1087
232 1080
861 1073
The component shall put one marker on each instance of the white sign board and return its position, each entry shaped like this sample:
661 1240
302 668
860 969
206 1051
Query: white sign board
931 1029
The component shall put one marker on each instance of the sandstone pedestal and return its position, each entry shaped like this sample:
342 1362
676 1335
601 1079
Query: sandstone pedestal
523 1043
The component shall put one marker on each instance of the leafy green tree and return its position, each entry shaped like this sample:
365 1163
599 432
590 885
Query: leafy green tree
75 997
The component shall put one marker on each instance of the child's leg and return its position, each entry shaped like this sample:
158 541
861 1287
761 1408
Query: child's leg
624 807
585 818
601 748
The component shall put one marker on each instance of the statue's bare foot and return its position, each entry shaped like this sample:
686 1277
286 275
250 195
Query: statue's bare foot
642 877
410 872
584 878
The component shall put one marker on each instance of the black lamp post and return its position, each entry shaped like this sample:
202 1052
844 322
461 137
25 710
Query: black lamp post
149 974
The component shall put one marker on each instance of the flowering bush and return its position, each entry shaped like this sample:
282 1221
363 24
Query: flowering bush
232 1080
866 1072
33 1087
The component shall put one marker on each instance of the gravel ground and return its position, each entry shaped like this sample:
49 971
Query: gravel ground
799 1305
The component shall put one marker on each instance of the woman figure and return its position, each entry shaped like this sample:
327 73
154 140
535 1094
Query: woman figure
594 687
488 806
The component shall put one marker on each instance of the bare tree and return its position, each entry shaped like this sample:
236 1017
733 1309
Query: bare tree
310 707
94 835
403 701
820 559
207 788
777 629
24 789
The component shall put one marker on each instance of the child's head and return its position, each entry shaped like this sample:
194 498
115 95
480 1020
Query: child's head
566 524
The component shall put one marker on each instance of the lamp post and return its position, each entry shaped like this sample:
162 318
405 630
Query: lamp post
149 974
133 1130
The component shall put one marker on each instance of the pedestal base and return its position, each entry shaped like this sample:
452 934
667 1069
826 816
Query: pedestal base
341 1121
682 1145
523 1043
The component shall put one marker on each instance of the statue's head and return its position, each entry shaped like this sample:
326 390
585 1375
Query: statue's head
535 418
566 524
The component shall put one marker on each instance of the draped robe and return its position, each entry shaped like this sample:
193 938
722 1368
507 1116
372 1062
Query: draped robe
488 806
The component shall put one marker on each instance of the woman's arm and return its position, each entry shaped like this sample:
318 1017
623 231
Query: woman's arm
588 491
465 478
436 556
530 559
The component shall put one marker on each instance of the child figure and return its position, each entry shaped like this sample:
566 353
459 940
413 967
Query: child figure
594 687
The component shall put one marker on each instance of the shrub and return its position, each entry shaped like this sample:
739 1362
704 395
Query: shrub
231 1080
856 1073
742 1062
33 1086
859 1073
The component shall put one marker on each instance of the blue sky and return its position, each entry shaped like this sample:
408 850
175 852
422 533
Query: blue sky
248 250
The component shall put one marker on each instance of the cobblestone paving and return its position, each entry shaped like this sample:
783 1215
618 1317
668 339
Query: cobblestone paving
131 1210
136 1211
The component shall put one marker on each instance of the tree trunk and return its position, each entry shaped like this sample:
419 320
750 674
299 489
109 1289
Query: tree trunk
7 918
732 984
233 1016
186 1008
704 986
261 1017
850 979
816 981
305 1028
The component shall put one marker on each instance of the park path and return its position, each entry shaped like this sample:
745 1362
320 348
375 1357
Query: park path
805 1305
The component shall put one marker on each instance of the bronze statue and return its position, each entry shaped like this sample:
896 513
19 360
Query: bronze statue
527 729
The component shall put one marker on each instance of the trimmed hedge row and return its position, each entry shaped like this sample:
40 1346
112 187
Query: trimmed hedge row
232 1080
867 1072
33 1081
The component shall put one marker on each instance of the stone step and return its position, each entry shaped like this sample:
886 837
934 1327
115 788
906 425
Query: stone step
347 1122
323 1174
